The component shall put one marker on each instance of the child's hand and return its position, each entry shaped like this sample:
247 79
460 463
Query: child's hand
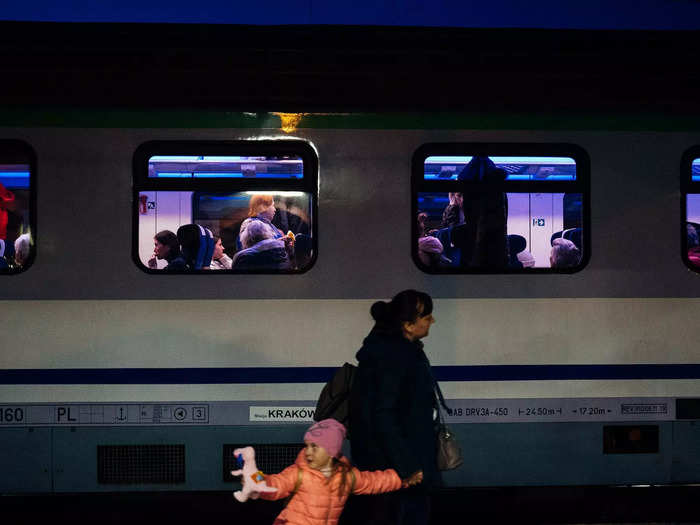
413 479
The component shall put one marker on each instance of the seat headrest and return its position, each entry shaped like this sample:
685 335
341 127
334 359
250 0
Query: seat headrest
197 244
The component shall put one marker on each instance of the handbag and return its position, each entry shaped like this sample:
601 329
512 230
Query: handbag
449 453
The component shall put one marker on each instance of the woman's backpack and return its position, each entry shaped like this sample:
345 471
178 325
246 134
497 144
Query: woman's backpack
334 401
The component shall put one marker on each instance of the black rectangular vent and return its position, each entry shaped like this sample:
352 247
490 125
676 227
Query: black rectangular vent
632 439
270 458
136 464
688 408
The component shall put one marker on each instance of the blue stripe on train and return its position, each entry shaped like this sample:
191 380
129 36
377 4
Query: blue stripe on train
124 376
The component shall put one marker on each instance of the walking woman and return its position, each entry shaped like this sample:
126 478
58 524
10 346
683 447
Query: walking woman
393 407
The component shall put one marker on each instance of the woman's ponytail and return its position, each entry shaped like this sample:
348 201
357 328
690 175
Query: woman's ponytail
380 312
406 306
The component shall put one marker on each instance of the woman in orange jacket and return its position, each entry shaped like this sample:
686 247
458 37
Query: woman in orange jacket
321 479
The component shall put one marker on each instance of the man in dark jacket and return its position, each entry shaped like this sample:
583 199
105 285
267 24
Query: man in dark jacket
393 407
484 236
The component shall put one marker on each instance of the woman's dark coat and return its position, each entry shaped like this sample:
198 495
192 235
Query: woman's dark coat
391 408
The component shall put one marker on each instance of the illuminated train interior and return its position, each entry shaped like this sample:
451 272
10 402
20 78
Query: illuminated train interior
283 240
532 220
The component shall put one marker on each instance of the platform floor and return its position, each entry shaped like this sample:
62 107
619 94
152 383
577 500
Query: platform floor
571 505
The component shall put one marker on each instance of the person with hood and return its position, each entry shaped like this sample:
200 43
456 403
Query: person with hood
393 406
484 236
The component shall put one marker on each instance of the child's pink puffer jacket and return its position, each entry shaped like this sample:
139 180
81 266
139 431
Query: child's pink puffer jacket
318 500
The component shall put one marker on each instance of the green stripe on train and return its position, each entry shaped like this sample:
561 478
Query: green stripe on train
140 118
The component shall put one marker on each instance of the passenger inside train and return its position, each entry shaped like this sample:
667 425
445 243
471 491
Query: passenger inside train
486 228
219 259
564 254
242 231
693 221
15 226
167 247
247 232
693 244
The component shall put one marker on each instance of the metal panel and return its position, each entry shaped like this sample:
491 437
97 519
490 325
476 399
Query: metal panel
552 454
506 454
75 453
25 460
76 457
686 452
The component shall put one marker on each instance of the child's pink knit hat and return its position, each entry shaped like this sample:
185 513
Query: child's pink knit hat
327 433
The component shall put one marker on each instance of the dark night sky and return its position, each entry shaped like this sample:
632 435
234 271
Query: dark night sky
573 14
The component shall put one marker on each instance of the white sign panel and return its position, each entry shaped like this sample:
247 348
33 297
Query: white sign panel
278 413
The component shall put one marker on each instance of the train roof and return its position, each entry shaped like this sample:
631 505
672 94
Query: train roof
345 68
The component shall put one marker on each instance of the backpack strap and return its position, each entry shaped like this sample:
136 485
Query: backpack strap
297 484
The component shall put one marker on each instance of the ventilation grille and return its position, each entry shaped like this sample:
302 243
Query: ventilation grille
136 464
271 459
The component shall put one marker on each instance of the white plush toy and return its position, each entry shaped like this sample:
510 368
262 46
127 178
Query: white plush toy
253 479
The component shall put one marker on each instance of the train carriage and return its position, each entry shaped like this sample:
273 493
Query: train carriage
119 375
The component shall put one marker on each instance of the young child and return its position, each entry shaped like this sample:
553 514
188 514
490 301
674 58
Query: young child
321 479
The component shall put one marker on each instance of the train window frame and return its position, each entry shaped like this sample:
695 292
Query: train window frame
307 184
687 187
14 151
580 185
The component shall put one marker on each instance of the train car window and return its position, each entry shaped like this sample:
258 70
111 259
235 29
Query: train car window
500 208
533 169
225 167
17 207
690 209
225 207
